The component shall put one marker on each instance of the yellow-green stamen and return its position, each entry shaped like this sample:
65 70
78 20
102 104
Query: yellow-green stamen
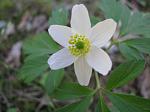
79 45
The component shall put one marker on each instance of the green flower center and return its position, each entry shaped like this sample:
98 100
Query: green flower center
79 45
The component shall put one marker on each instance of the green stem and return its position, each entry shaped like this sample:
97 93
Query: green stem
113 42
110 46
98 85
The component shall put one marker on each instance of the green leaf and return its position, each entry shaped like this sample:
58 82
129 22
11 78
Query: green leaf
129 52
77 107
94 20
98 106
40 44
124 73
32 68
124 106
38 49
12 110
59 17
136 23
111 9
141 44
101 106
136 101
53 80
71 91
131 22
114 109
124 19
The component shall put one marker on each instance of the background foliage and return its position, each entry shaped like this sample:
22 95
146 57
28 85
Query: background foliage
26 82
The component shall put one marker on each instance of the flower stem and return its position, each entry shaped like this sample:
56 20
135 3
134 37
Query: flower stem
113 42
110 46
98 85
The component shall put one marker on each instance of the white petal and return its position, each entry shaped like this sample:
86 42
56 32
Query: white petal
60 34
102 32
61 59
83 71
99 60
80 21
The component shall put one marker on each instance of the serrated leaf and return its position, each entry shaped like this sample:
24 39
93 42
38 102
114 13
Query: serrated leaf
40 44
53 80
124 73
138 23
71 91
141 44
101 106
32 68
131 22
136 101
129 52
38 49
77 107
122 105
59 17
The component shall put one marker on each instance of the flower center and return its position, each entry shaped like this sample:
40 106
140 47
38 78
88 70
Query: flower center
79 45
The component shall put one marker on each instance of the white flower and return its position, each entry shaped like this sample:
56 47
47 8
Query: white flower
82 45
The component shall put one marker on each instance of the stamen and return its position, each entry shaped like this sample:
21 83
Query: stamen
79 45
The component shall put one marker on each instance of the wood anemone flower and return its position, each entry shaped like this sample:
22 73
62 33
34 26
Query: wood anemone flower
82 45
